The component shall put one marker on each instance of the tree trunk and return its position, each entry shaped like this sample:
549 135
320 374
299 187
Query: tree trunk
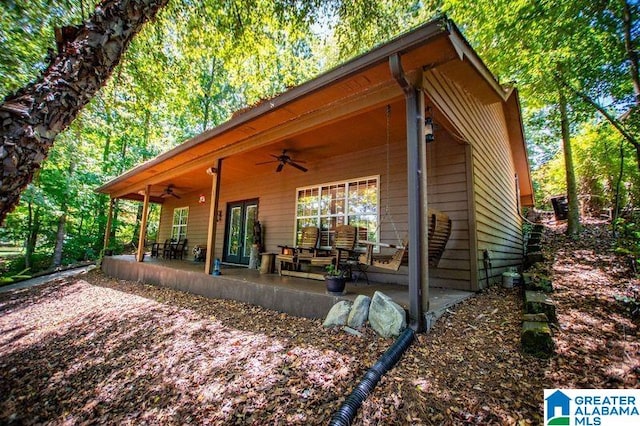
573 222
632 54
32 117
207 98
32 237
136 229
60 234
625 132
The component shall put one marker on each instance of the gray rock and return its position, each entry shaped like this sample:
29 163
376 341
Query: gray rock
542 317
359 311
352 331
338 314
386 317
539 303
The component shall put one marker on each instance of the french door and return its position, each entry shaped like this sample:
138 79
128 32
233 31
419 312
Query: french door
241 216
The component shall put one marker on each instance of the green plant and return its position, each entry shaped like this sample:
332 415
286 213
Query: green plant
630 303
16 277
334 271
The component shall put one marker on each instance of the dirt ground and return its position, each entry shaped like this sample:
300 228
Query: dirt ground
98 350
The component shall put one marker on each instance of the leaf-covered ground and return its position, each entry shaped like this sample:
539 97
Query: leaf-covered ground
97 350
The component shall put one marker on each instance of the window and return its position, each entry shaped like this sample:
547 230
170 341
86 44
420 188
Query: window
179 229
326 206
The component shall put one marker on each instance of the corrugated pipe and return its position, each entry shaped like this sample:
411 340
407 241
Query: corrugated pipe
347 412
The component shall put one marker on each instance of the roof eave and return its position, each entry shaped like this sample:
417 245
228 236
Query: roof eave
414 38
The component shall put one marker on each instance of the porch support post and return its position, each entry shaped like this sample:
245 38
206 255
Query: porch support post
143 225
424 207
107 229
213 219
414 191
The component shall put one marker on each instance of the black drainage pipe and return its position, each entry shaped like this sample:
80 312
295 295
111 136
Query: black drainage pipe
347 412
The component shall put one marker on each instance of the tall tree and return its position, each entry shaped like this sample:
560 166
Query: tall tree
35 115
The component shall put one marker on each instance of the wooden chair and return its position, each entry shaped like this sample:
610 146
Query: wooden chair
292 256
166 249
343 245
177 251
155 249
439 232
439 229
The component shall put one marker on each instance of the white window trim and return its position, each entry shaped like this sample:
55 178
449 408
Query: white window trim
345 214
173 224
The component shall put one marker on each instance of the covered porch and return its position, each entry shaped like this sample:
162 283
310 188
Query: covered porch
375 144
291 295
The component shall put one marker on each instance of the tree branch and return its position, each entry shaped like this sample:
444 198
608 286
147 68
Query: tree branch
31 118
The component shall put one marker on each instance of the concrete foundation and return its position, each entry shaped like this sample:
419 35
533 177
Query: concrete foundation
295 296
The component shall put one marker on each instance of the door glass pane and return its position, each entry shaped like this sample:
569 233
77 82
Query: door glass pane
235 222
249 221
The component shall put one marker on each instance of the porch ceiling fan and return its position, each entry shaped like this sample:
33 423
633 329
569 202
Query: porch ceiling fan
168 191
284 159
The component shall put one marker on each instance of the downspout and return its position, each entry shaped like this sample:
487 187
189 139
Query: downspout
413 192
349 408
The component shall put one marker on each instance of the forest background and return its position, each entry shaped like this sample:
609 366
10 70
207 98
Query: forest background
575 64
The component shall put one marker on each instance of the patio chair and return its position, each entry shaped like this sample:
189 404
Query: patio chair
155 249
166 249
292 256
177 251
342 250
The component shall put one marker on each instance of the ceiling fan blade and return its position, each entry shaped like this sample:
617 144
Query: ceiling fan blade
298 166
267 162
176 195
279 168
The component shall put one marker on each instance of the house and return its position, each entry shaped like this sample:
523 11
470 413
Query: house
558 402
350 146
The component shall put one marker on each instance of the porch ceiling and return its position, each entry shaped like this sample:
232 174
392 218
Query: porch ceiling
365 129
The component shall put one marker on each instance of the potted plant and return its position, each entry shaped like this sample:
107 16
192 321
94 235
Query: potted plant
335 279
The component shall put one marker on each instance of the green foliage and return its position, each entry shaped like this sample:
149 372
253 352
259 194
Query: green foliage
334 271
630 303
15 265
628 239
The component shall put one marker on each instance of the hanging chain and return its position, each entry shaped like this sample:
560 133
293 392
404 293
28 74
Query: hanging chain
388 114
387 213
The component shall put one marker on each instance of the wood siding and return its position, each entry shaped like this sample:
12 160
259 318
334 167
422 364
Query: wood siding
498 224
276 193
447 192
470 178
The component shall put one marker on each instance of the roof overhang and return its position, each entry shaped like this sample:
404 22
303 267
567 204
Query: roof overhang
519 149
355 86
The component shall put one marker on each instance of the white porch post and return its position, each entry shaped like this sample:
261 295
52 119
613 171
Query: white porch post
143 225
213 212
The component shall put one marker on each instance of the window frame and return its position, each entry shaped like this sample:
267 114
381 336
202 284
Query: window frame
315 215
182 227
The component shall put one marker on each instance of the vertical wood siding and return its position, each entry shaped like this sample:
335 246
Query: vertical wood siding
497 220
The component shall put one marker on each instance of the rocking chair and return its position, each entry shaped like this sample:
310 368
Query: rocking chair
344 242
290 257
